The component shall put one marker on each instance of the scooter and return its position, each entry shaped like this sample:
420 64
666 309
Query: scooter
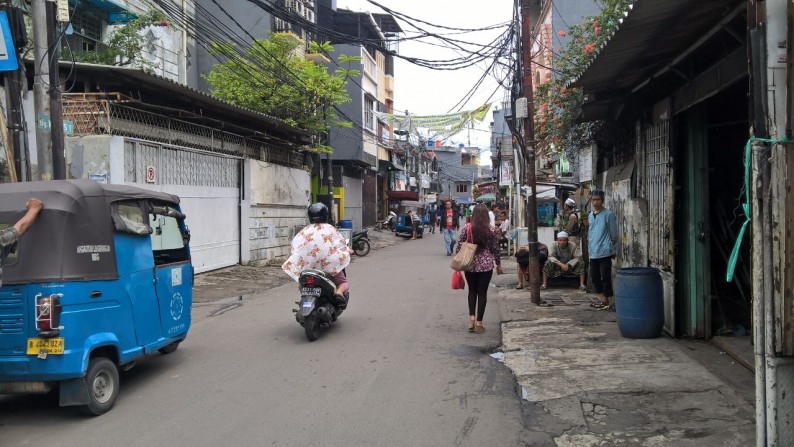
361 243
388 222
318 307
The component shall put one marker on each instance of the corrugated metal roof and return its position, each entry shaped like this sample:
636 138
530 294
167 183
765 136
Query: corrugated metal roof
189 94
649 36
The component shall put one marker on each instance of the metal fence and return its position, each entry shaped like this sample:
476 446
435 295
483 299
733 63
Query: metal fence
113 114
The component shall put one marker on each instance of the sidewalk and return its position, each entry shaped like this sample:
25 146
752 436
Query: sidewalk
586 385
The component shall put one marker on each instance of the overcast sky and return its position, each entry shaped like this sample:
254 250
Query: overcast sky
424 91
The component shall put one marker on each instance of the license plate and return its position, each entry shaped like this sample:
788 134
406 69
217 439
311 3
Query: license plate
311 291
48 345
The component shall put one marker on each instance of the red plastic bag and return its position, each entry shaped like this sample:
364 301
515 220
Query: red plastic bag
458 282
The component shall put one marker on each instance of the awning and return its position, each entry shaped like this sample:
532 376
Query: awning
490 197
387 166
653 34
402 195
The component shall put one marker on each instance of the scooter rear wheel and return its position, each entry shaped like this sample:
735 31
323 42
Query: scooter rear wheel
312 326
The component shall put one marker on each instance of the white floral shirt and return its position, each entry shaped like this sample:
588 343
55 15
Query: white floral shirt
318 246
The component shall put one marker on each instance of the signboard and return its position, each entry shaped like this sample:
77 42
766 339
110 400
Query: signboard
8 55
43 122
151 174
505 173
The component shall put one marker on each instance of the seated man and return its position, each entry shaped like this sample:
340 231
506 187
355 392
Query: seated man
566 257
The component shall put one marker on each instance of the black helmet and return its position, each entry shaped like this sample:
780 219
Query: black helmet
318 213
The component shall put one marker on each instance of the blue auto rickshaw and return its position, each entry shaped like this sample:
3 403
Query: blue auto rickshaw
102 278
404 224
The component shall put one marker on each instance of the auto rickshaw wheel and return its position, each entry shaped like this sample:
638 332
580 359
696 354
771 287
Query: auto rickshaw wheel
168 349
102 381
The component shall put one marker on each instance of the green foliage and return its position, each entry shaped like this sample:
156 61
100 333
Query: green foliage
271 78
558 106
125 44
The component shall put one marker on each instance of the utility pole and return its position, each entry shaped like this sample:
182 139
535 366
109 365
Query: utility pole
57 137
13 84
41 103
529 142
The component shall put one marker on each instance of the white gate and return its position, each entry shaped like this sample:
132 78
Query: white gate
208 185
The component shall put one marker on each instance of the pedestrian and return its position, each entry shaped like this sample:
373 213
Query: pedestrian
491 215
10 236
450 222
416 221
564 256
488 254
522 259
602 236
431 218
570 222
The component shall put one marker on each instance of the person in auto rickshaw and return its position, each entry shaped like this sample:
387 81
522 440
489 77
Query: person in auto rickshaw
10 236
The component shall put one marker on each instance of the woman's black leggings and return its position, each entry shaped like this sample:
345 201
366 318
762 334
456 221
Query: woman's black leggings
478 291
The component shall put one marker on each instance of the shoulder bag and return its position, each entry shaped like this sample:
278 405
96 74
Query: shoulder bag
464 259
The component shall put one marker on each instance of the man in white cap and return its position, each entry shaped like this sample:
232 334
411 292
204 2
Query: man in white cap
564 256
569 221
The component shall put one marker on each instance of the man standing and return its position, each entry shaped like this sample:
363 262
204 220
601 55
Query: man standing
431 218
569 221
10 236
602 236
450 223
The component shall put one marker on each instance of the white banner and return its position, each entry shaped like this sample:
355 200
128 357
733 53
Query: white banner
506 173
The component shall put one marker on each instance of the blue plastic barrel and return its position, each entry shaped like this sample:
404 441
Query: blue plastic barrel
346 224
639 302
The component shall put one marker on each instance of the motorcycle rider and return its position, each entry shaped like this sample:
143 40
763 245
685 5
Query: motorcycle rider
319 246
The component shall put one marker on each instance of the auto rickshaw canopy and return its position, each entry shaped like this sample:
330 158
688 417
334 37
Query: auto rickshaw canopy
72 238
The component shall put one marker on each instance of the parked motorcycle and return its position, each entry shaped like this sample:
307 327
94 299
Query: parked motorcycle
361 243
318 307
388 222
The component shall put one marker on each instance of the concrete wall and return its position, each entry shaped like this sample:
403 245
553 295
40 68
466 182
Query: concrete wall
253 19
90 158
348 143
277 198
353 203
566 13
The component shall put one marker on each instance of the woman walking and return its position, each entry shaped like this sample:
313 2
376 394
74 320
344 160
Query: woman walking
488 253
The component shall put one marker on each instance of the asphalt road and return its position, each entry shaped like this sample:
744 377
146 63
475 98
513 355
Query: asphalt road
397 369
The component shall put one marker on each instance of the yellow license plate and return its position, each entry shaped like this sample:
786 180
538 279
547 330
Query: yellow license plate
48 345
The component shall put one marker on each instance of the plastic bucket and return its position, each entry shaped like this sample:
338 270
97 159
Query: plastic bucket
639 302
346 224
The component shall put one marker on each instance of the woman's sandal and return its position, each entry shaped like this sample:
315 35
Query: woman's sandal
543 287
519 287
470 327
479 329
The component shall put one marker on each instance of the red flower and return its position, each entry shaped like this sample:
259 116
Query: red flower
589 48
595 23
597 30
561 33
163 23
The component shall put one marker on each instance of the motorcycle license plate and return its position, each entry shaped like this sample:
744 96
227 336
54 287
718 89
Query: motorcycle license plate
48 345
310 291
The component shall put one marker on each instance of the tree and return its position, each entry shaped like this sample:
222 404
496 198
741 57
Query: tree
125 44
270 77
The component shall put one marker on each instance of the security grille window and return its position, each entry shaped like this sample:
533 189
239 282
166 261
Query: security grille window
369 114
657 172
